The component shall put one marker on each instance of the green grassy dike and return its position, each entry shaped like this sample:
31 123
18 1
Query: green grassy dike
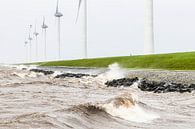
174 61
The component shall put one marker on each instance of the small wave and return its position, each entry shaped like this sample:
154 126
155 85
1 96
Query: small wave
21 75
22 67
88 109
125 107
133 113
30 74
56 73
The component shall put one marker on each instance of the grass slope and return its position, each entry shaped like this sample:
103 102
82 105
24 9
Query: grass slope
174 61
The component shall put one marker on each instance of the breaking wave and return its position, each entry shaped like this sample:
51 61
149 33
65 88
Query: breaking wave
114 72
125 107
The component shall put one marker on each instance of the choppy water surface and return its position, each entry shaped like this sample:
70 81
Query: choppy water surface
33 101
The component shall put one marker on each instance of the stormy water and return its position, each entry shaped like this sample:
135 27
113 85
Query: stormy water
30 100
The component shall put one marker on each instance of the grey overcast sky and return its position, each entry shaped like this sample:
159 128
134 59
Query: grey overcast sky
115 27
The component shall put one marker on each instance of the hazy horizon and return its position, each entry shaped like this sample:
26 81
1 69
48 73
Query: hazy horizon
115 28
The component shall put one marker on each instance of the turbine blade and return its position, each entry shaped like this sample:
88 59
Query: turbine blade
30 31
57 6
79 6
43 20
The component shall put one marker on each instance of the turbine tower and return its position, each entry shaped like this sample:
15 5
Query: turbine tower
84 25
30 45
26 50
58 15
149 28
36 34
44 27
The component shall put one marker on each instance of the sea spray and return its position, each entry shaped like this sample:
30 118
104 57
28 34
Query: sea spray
127 107
114 72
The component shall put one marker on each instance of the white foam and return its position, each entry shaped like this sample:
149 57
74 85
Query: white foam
21 67
35 75
56 73
21 75
133 112
114 72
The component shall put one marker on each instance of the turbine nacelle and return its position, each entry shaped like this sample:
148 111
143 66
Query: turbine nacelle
44 26
58 14
36 33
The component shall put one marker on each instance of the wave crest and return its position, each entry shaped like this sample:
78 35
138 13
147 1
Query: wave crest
125 107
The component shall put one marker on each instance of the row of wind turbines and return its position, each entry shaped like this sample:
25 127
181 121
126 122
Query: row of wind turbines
44 27
148 30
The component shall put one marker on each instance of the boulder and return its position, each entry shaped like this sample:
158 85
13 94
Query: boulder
65 75
126 82
152 86
45 72
164 87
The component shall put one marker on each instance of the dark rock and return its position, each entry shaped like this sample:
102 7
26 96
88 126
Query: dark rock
163 87
24 68
42 71
121 82
152 86
192 86
65 75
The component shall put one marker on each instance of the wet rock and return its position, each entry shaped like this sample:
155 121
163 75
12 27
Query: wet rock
152 86
24 68
45 72
164 87
65 75
126 82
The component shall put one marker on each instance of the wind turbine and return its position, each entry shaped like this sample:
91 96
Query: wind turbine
84 25
58 15
44 27
30 41
26 49
36 34
149 28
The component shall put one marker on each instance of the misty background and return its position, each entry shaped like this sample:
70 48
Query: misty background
115 28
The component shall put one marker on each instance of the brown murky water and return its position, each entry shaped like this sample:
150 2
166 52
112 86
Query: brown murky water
34 101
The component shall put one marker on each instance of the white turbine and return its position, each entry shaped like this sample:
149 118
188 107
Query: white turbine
30 45
58 15
84 25
36 34
44 27
26 50
149 28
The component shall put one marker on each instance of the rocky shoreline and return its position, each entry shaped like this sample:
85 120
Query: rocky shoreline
152 86
158 81
151 81
78 75
45 72
63 75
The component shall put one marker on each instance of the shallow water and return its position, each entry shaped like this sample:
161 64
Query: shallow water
34 101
